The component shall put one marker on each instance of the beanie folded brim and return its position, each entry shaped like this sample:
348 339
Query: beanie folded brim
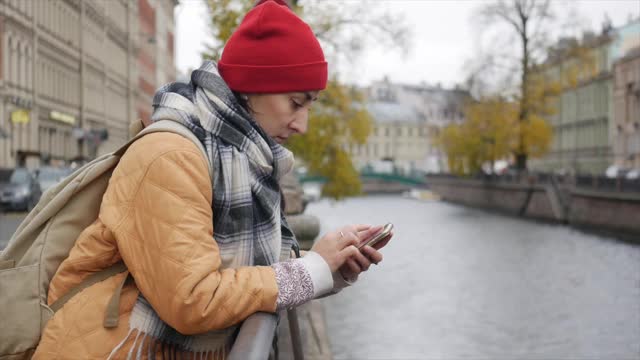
274 78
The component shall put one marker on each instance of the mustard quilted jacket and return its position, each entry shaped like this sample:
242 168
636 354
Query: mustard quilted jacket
156 216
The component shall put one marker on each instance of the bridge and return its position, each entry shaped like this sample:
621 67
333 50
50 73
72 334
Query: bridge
373 182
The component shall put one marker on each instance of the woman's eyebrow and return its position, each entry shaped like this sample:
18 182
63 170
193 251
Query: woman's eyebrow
310 96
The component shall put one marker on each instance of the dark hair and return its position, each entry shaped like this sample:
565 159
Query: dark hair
242 100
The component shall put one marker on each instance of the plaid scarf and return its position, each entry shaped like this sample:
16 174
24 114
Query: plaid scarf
249 224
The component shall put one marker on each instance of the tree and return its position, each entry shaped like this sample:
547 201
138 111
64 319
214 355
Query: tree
533 80
492 122
488 133
452 142
339 120
225 16
493 128
527 18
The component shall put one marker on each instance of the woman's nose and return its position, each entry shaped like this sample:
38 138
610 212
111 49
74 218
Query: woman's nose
299 125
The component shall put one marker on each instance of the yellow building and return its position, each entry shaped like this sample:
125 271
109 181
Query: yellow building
400 136
406 117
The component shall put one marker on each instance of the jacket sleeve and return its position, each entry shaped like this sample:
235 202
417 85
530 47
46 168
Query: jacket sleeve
164 232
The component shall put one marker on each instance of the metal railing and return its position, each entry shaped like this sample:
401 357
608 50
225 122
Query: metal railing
585 182
255 339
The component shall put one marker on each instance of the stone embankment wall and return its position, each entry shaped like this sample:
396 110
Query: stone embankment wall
617 212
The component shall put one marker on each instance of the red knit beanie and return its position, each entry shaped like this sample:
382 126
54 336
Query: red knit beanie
273 51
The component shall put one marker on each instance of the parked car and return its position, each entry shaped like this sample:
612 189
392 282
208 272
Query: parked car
615 171
633 174
48 176
20 191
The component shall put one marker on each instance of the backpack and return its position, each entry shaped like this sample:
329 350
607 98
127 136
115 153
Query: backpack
45 238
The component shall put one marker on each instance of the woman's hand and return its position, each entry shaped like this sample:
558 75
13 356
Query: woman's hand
368 255
338 246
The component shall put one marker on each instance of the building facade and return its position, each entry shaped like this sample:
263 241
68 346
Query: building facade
155 53
594 126
626 96
406 119
399 138
69 77
581 125
626 112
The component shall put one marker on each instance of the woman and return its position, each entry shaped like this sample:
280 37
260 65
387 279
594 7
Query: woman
196 280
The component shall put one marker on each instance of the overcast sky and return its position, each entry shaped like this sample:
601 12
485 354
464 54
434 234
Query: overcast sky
443 37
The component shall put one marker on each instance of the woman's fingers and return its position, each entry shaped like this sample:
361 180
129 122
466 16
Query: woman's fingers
365 232
360 227
348 252
347 238
359 231
374 256
368 233
362 261
353 267
359 260
352 254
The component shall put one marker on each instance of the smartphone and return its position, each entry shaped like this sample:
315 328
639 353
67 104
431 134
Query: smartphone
386 230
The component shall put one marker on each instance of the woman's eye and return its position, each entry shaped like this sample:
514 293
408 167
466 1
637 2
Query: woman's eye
295 104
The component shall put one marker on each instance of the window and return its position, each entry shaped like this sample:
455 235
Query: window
48 80
64 83
11 73
57 84
19 69
64 23
29 65
48 17
58 19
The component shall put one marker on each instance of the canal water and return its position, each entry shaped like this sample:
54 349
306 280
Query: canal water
460 283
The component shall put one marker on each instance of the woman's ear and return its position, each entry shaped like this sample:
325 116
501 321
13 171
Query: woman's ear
245 101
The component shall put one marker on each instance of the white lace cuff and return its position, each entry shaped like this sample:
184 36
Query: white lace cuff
320 273
339 282
301 280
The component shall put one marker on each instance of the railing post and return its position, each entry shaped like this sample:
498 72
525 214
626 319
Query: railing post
255 338
294 328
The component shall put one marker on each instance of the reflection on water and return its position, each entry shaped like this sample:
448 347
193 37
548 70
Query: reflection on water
458 283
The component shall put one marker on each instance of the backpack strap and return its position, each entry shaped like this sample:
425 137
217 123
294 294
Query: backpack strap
112 314
112 311
172 127
94 278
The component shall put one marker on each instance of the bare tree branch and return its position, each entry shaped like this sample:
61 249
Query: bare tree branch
347 26
528 19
